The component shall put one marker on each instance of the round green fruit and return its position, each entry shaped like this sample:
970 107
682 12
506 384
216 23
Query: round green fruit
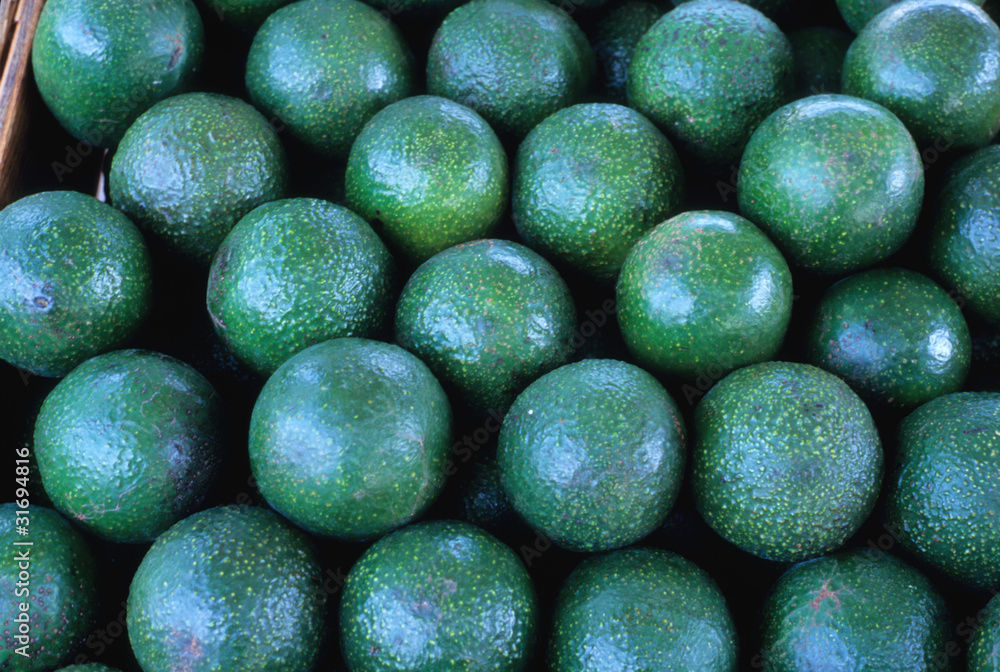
819 59
858 13
614 34
984 649
245 15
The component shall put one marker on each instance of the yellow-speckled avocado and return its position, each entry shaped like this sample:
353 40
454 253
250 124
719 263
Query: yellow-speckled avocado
858 13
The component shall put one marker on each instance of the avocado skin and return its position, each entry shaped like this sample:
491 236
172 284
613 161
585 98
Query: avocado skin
75 280
296 272
942 497
641 609
984 649
707 73
837 182
246 15
349 438
324 68
228 588
614 34
62 591
592 454
134 55
514 62
858 13
743 289
436 596
487 317
965 240
129 443
819 59
913 43
861 609
589 181
430 173
786 462
191 166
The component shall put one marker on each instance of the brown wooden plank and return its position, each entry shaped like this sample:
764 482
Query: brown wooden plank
13 101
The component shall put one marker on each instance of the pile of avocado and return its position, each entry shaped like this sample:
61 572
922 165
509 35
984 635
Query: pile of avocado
503 336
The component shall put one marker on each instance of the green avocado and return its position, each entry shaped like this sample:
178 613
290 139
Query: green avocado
965 240
704 293
488 317
592 455
787 462
708 73
296 272
862 609
88 667
440 595
99 64
932 63
837 182
893 335
515 62
984 649
819 59
589 181
55 578
641 609
944 491
613 34
414 10
229 588
349 438
428 173
245 15
74 281
324 68
129 443
191 166
858 13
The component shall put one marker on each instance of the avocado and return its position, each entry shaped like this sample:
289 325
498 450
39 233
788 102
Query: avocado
965 240
944 489
296 272
74 281
837 182
191 166
862 609
858 13
893 335
428 173
52 583
786 461
707 73
589 181
415 12
228 588
515 62
481 500
488 317
88 667
129 443
703 293
592 454
349 438
614 32
906 59
99 64
819 53
641 609
438 595
245 15
324 68
984 649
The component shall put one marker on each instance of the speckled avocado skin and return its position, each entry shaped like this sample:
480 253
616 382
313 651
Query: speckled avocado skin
819 59
984 649
641 609
436 596
614 33
965 241
515 62
944 491
858 13
129 443
62 595
488 317
836 181
906 60
134 55
349 438
589 181
229 588
592 454
190 167
429 173
296 272
707 74
862 609
893 335
704 290
787 462
74 281
324 67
